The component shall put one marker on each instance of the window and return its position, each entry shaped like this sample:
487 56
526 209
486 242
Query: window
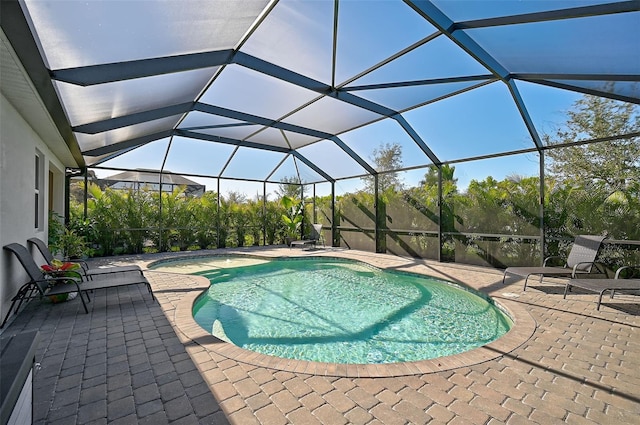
38 184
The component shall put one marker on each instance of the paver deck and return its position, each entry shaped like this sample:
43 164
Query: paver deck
135 361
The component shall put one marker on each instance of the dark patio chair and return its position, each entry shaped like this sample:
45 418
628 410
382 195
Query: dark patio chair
89 273
581 260
41 284
314 238
603 285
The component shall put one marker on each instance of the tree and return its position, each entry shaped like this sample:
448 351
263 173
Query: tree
235 197
205 212
255 210
386 158
431 176
449 193
289 186
240 220
176 221
614 165
598 183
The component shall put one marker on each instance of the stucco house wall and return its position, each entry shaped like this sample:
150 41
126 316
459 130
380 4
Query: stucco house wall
26 129
19 145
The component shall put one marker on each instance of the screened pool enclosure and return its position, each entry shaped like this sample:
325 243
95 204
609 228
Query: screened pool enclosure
485 132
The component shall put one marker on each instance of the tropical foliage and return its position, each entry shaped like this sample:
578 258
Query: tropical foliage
136 221
292 216
591 188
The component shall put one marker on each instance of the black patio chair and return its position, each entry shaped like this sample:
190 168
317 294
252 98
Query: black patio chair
41 284
89 273
314 238
581 260
601 286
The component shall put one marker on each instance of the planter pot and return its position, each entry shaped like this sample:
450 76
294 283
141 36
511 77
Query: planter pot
60 298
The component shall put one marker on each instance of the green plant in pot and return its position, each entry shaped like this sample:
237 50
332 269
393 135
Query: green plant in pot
60 269
292 218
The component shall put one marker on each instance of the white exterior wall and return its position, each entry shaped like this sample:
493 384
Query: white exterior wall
18 146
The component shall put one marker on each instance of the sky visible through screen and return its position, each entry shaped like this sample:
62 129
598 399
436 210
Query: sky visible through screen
547 106
483 121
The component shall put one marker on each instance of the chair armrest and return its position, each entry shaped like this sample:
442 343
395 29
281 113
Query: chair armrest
617 276
84 268
544 263
51 279
575 267
83 263
65 274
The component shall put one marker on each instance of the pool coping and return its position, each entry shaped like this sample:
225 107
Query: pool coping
523 328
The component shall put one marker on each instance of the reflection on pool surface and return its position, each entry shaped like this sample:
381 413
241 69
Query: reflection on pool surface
338 311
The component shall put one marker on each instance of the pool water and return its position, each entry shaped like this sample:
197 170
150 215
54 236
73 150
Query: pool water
338 311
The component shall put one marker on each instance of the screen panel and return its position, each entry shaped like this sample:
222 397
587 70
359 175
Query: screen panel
297 35
463 10
197 156
76 34
439 58
107 138
569 46
245 90
293 168
367 35
409 97
270 136
331 116
385 145
149 156
491 212
479 122
100 102
332 159
252 163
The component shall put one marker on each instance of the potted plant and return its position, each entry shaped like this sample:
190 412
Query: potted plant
292 218
59 269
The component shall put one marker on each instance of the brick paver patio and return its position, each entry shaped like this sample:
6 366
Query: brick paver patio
134 361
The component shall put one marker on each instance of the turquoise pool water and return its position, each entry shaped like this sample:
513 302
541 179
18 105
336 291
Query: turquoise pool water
340 311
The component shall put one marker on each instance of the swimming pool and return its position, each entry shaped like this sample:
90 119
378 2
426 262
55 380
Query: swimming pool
330 310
